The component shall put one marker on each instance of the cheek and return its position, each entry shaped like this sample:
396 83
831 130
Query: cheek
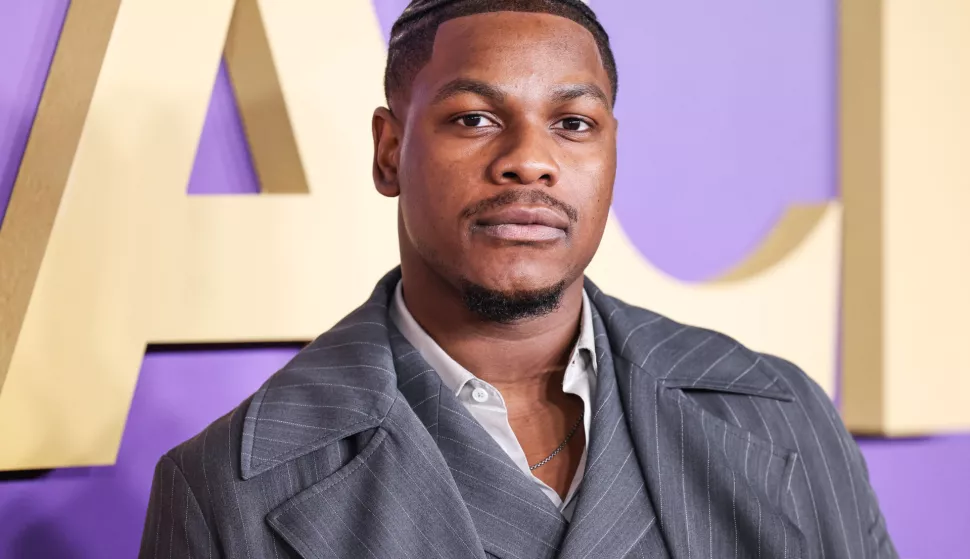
597 194
438 185
430 206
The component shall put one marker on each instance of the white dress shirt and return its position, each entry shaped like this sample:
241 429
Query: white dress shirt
485 402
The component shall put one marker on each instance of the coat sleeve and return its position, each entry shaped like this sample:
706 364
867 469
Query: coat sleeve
882 545
175 525
840 492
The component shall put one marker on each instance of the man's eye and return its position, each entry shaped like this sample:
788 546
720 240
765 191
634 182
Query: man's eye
573 125
474 121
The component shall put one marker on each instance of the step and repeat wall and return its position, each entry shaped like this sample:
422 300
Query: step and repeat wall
185 197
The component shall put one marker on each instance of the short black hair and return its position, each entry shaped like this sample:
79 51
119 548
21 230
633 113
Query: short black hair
413 34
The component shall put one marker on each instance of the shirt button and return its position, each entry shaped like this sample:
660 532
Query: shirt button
480 395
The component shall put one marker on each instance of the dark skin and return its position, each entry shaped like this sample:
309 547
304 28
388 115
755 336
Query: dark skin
514 103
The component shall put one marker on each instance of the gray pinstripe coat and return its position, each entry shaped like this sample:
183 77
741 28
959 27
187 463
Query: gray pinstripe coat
698 448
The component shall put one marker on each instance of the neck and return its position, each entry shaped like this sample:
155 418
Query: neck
521 359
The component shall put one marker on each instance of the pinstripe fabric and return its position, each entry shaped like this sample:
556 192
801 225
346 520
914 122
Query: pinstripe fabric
698 448
744 455
614 512
512 516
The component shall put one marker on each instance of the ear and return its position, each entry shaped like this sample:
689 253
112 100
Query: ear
387 152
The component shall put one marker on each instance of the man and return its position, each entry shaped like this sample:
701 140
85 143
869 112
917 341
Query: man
488 400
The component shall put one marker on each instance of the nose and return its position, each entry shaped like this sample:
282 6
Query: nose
527 158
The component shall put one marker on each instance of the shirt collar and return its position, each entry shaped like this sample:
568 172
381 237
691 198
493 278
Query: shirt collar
586 344
455 376
452 374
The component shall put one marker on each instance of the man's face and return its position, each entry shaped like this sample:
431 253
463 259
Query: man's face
507 155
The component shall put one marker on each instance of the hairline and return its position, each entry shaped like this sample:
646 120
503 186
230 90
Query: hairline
601 41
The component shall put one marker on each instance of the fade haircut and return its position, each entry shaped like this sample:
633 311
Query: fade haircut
413 34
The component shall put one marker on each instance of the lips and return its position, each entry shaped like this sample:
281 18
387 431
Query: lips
525 215
524 224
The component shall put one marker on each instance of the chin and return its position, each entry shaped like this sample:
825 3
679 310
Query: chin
518 277
513 299
518 274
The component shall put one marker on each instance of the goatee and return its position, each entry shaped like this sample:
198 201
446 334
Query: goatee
506 307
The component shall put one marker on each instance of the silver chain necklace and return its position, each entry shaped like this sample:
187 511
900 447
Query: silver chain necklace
561 446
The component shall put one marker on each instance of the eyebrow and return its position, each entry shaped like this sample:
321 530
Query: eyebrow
567 93
466 85
562 94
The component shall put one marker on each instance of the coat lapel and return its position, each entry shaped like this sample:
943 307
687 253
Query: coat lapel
396 498
717 488
391 501
512 517
614 515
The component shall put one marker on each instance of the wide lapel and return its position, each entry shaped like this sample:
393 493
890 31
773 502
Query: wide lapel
396 497
513 518
717 488
614 516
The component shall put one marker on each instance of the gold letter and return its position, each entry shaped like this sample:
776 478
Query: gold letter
906 188
107 251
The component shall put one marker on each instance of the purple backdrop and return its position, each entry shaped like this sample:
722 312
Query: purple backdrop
729 113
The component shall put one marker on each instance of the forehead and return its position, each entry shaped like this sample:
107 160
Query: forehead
513 48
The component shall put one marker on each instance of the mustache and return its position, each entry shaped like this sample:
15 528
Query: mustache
509 197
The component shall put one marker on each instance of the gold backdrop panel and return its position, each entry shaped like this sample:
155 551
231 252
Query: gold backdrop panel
906 189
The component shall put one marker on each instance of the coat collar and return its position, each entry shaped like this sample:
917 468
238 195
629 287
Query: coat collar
349 367
352 366
667 351
349 380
